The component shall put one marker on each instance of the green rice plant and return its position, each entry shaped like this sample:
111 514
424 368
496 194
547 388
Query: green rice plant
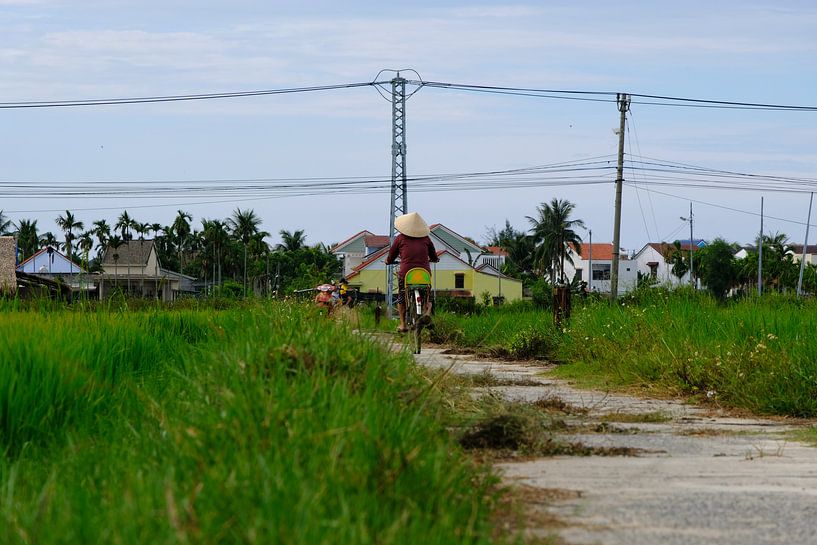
265 424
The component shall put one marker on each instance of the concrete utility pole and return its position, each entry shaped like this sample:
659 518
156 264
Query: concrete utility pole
623 101
398 205
691 248
760 253
805 249
590 263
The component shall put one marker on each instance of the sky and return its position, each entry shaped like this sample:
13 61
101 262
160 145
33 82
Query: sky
746 51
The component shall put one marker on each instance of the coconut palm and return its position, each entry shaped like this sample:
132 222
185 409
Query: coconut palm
5 224
27 239
291 241
68 223
244 224
553 231
48 239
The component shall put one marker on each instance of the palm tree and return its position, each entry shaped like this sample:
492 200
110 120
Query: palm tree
27 239
554 232
141 229
5 224
48 239
155 227
86 242
181 228
125 223
216 237
244 224
102 231
291 242
68 223
114 242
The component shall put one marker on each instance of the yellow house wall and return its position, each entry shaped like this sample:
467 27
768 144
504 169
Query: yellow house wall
475 282
511 289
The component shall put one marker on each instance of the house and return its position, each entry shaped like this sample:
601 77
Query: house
134 267
811 253
651 261
51 264
465 269
601 254
359 247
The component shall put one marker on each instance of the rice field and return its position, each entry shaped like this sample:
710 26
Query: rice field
261 424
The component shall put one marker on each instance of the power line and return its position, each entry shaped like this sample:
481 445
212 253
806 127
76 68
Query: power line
724 207
178 98
609 96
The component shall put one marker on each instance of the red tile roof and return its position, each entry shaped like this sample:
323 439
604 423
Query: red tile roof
601 251
496 250
376 241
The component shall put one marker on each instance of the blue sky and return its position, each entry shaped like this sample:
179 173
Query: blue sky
742 51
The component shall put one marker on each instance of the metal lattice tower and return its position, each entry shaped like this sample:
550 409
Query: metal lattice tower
398 205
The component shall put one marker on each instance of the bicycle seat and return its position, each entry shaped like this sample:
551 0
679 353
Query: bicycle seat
418 277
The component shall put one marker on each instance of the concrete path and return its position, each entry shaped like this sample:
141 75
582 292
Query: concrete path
702 477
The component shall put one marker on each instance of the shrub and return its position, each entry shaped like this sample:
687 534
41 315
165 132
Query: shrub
457 305
533 342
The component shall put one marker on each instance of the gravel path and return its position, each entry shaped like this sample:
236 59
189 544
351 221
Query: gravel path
702 478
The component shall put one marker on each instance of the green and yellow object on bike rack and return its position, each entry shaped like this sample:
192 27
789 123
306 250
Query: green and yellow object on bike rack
418 277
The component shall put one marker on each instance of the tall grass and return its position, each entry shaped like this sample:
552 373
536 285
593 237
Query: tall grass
759 354
261 425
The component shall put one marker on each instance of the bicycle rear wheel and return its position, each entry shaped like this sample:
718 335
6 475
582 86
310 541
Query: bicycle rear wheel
413 315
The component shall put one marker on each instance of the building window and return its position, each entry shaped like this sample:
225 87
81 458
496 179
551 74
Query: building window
579 274
459 281
601 271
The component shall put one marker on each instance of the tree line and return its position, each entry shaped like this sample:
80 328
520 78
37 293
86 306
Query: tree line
542 251
228 253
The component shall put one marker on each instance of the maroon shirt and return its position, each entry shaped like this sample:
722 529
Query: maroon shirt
413 252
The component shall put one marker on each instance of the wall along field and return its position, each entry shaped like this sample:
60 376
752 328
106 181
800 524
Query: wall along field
260 424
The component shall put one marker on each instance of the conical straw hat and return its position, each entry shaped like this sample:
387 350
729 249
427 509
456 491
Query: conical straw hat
412 225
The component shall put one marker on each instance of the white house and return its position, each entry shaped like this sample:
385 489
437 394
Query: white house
602 256
51 264
651 261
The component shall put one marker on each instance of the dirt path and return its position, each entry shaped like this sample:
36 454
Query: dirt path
701 478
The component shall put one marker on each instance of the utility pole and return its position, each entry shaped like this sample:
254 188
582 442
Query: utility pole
590 263
623 101
805 249
760 253
691 248
398 205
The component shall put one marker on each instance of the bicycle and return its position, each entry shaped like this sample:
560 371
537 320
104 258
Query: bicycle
417 295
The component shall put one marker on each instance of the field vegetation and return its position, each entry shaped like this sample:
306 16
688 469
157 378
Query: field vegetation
758 354
257 424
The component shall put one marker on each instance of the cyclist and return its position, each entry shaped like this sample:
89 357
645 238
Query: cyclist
343 291
415 249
